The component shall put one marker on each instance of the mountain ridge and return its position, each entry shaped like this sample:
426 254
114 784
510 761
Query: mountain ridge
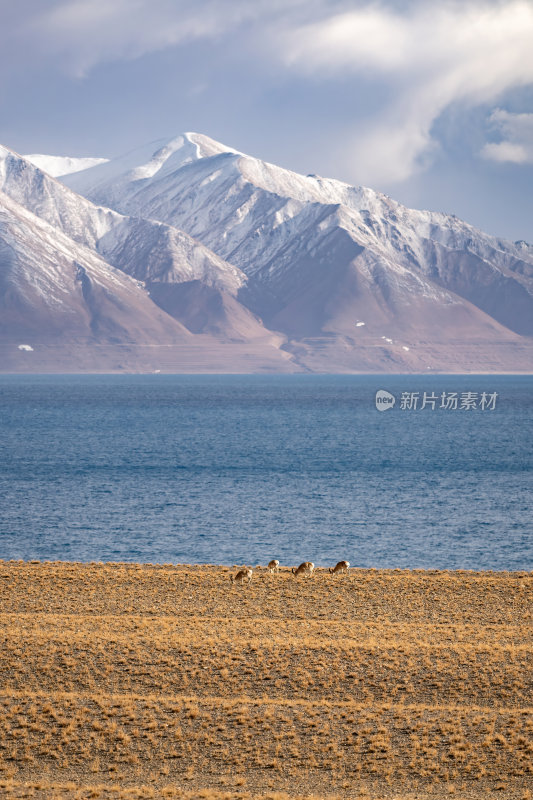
333 277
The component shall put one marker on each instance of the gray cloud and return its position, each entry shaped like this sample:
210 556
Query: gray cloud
433 55
516 131
84 33
428 55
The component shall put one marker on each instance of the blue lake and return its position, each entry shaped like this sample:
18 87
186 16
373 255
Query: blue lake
242 469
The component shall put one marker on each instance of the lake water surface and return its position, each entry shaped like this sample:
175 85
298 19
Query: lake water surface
242 469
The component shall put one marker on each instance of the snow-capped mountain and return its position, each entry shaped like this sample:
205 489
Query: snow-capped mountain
330 276
133 244
291 234
73 271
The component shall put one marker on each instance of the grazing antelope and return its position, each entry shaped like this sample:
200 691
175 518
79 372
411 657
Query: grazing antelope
273 566
304 569
243 575
342 566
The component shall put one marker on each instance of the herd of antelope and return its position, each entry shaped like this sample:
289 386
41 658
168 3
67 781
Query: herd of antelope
307 568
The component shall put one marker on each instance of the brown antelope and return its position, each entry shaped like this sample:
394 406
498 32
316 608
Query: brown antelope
342 566
304 569
273 566
243 575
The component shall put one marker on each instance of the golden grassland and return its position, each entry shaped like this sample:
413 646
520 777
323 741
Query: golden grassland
164 681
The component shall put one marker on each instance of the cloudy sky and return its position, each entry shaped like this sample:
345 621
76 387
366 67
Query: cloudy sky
430 101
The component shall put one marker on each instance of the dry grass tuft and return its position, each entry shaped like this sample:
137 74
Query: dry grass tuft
156 681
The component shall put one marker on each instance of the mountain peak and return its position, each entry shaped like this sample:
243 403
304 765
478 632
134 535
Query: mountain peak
208 146
153 159
320 275
183 149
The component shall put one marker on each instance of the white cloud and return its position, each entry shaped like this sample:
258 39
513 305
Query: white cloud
516 131
433 56
428 55
86 33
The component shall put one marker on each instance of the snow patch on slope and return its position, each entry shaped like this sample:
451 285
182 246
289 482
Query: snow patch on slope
57 166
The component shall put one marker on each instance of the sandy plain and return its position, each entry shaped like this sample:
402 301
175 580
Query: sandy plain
166 681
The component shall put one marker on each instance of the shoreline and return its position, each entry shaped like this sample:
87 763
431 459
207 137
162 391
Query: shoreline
260 568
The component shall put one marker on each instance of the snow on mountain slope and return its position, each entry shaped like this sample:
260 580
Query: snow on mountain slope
290 233
62 165
63 309
153 251
184 278
67 211
285 271
47 198
148 250
156 158
52 287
